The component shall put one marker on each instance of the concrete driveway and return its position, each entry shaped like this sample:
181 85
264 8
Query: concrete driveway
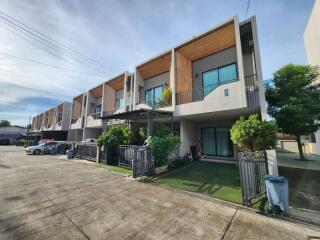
44 197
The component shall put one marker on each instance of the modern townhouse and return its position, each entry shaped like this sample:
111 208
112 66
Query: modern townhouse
54 123
214 79
110 97
312 46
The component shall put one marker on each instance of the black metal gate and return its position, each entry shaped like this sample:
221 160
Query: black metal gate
137 158
86 151
253 169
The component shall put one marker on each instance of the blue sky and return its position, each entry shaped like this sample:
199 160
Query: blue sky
122 33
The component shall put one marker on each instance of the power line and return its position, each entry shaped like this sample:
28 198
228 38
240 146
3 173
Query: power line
247 10
48 65
31 33
51 39
52 44
48 47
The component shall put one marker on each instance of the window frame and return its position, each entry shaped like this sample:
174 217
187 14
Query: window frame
220 83
153 95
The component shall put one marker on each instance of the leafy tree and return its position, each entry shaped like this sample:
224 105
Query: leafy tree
4 123
162 143
252 134
294 100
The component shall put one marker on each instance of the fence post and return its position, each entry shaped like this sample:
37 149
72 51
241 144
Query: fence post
272 162
98 154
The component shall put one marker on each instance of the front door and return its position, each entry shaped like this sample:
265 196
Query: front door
216 142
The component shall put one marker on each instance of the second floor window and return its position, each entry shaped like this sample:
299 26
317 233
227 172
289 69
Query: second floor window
213 78
153 95
119 103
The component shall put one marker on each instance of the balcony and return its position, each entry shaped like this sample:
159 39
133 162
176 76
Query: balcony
95 115
195 94
154 104
74 120
252 91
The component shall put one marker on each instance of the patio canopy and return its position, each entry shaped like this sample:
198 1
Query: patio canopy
142 114
138 114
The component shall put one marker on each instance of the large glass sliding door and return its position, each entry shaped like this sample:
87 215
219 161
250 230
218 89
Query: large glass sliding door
216 142
209 141
224 145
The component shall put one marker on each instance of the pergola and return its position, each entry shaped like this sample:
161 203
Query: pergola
147 115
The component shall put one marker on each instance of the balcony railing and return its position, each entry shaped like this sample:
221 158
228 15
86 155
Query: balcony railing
110 112
74 120
95 115
195 94
157 104
252 90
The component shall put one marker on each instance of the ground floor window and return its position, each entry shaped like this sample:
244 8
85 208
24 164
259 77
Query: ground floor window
216 142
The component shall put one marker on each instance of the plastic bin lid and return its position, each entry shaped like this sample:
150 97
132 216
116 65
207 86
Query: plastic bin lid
276 179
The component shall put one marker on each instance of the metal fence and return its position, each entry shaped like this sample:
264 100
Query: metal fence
85 151
253 169
137 158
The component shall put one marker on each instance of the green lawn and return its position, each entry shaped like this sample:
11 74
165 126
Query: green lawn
113 168
219 180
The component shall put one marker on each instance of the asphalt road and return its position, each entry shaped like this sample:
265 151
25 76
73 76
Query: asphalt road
44 197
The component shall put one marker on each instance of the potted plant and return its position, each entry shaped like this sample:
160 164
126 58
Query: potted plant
167 95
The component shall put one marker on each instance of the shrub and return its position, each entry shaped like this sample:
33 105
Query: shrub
162 143
254 135
115 136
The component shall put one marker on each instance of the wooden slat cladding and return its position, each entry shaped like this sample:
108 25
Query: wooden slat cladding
78 98
117 83
109 98
77 106
50 116
216 41
156 66
183 73
97 92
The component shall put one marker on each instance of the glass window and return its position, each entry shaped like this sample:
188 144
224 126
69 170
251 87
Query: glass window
119 103
157 94
216 142
213 78
228 73
153 96
129 100
210 81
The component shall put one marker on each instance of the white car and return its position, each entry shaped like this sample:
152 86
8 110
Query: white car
42 148
89 140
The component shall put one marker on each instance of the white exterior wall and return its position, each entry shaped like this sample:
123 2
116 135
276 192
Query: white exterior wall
215 101
188 134
312 46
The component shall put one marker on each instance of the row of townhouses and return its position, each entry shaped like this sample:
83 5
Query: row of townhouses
214 78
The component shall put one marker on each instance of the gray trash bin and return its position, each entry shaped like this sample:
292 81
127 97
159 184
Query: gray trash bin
70 154
277 193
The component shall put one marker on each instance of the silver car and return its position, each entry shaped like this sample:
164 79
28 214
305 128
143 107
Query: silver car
41 148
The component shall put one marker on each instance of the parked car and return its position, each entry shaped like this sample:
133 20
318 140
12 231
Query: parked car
89 140
42 148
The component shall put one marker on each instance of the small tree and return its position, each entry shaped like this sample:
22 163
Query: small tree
115 136
253 134
294 100
4 123
162 143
